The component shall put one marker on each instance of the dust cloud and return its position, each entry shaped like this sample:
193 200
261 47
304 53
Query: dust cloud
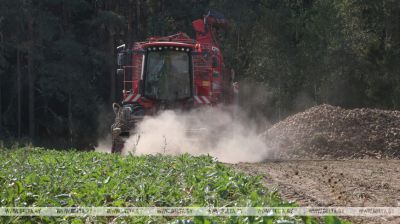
224 133
104 145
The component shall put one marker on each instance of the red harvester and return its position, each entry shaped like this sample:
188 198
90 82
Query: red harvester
172 72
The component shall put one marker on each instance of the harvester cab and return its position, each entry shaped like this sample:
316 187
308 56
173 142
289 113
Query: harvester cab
172 72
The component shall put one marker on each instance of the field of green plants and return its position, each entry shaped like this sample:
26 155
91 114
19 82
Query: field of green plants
32 177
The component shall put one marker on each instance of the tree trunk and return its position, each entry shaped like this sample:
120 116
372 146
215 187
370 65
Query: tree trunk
31 85
1 81
130 16
137 22
18 94
279 97
162 10
70 132
111 67
1 109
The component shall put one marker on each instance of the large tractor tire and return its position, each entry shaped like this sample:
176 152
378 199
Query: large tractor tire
117 144
124 124
116 130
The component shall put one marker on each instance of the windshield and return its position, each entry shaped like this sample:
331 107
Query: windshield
167 76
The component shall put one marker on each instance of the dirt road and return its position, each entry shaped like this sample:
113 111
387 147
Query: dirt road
333 183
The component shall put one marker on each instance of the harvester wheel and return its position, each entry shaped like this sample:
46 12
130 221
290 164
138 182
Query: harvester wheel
117 144
123 125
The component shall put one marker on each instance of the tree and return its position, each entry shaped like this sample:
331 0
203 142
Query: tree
57 58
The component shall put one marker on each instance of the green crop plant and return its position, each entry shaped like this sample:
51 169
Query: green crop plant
34 177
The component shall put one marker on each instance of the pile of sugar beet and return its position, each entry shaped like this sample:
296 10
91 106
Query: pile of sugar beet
329 132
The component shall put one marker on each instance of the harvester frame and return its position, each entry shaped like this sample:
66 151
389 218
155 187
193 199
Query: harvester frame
172 72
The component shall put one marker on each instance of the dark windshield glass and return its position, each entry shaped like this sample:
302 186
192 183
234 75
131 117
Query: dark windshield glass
167 76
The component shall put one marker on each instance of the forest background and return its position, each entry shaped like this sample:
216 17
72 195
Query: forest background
58 58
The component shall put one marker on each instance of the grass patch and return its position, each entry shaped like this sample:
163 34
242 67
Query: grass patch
41 178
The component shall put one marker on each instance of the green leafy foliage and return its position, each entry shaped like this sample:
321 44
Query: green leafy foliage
308 52
40 178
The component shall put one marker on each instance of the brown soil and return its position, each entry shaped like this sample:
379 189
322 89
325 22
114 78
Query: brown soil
333 183
328 132
330 156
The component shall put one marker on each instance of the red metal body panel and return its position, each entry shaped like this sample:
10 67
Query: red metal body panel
211 81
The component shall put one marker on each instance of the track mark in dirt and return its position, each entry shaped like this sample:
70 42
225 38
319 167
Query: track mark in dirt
374 183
